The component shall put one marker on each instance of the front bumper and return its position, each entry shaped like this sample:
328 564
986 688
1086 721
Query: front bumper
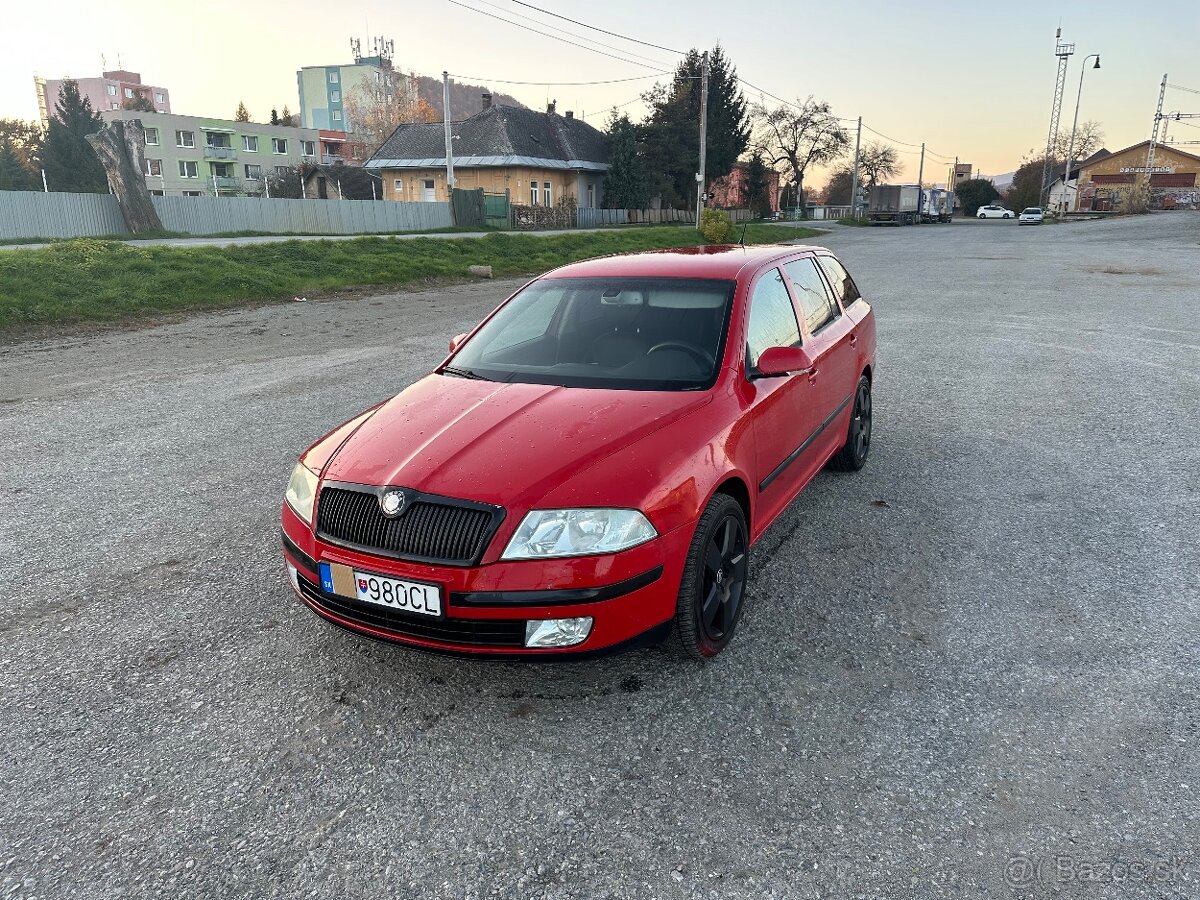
630 595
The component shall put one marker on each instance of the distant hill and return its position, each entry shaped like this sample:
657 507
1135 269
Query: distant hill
465 99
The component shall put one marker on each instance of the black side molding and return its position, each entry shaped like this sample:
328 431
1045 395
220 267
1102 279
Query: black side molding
795 454
560 597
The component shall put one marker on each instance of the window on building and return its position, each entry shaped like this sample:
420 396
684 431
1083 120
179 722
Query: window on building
112 89
378 77
223 170
809 288
153 168
533 193
114 105
335 96
128 93
159 97
253 172
151 137
215 139
336 115
185 139
546 194
156 193
278 145
333 77
356 151
398 186
250 143
308 148
187 168
191 193
772 318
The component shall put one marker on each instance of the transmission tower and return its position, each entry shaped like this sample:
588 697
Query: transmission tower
1158 117
1063 52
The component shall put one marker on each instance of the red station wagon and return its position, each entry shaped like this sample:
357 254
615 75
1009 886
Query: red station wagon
588 468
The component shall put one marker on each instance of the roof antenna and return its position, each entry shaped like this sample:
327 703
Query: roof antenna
745 225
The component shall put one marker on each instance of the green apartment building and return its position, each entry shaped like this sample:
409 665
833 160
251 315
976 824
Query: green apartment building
325 89
192 155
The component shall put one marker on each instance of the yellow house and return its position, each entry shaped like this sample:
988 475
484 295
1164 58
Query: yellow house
539 159
1106 183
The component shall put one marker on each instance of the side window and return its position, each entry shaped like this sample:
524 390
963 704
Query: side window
843 285
772 317
815 302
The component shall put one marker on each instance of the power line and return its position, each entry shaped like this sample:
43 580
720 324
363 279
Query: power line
481 80
623 37
886 138
484 12
572 34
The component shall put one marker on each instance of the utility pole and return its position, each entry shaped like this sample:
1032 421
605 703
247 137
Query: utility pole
921 184
854 175
703 139
1162 91
1063 52
45 187
1066 204
449 147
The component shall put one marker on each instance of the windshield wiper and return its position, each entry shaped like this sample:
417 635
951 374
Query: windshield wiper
463 373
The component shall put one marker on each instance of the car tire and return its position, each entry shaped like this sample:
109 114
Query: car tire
981 216
712 592
1006 216
853 455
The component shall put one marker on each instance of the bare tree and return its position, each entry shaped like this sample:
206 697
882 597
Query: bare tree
799 136
878 162
374 108
1088 138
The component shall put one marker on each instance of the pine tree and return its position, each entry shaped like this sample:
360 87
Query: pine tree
286 118
70 162
625 181
672 130
242 114
13 175
274 116
757 186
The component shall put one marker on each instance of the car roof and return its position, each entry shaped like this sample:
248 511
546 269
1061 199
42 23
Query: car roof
717 261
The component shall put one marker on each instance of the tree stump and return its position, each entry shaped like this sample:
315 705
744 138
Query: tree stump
120 148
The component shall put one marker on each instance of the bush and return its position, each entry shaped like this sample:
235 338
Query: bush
716 226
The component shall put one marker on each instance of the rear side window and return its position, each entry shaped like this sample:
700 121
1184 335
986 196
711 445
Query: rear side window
815 302
843 285
772 317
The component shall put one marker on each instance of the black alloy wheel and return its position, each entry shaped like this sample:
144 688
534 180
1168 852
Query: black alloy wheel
713 588
853 456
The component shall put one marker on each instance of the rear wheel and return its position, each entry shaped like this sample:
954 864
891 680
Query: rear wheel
853 456
713 587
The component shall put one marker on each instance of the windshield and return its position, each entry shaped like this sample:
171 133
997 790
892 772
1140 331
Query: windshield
1033 210
650 334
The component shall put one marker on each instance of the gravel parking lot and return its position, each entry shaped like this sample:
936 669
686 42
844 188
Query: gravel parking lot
968 671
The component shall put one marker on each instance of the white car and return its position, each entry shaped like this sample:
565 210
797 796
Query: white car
1031 216
992 211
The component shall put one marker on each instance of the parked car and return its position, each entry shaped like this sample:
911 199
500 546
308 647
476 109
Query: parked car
994 212
1031 216
589 467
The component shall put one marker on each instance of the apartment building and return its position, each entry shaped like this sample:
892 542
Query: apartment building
193 155
111 91
324 90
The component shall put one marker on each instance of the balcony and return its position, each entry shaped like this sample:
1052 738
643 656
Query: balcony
219 152
227 183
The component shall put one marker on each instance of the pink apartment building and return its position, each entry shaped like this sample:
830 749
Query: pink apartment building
112 90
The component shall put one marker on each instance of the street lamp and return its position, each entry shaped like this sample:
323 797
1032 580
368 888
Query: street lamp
1074 125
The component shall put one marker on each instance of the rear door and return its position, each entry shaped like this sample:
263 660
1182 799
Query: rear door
829 337
783 409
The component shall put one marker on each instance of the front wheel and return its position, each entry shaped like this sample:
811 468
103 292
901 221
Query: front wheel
853 455
1006 216
713 587
981 216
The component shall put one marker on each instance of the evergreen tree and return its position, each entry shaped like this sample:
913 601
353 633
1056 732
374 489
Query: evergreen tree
287 119
671 143
243 114
625 182
14 176
757 186
70 162
140 104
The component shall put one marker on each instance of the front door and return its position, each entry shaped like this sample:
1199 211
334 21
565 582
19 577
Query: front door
427 191
784 413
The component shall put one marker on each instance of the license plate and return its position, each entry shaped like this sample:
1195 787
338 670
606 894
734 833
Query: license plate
394 593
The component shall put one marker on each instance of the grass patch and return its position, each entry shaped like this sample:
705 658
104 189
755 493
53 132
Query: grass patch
88 280
855 221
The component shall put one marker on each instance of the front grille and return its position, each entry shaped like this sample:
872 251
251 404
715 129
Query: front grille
468 632
429 529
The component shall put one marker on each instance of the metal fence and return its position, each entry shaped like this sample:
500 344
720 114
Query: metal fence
29 214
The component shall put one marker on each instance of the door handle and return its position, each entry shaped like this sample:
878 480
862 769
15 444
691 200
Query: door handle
812 375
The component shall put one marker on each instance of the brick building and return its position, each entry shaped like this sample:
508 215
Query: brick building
1107 183
730 192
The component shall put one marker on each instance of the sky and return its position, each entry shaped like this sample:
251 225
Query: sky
970 79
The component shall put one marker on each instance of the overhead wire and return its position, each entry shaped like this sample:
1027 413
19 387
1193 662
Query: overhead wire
623 37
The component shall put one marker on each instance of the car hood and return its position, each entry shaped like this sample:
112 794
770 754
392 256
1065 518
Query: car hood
506 444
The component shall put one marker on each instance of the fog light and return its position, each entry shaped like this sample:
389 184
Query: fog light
294 575
557 632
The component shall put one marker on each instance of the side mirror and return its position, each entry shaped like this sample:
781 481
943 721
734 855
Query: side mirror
776 361
457 341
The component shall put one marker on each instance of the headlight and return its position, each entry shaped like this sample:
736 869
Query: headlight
301 491
547 533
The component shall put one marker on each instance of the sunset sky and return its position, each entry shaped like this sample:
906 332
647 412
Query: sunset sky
970 79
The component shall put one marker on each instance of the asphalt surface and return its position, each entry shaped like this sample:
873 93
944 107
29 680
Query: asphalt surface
967 671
